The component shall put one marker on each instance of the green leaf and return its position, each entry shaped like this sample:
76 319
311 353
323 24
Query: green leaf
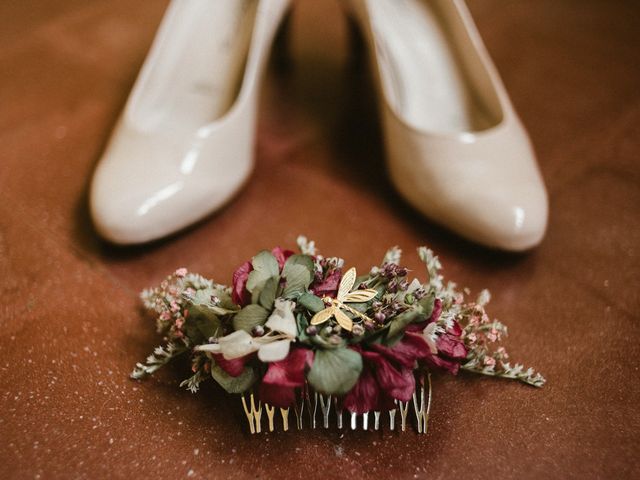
200 304
208 326
303 323
324 344
298 279
311 302
377 336
231 384
304 260
398 324
268 293
224 294
265 266
335 372
427 303
202 296
361 307
249 317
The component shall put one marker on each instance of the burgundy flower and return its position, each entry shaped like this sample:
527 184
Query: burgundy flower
283 377
281 256
239 293
451 346
451 349
387 374
233 367
329 286
364 396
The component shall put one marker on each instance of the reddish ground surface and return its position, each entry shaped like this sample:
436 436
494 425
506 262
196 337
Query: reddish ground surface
70 318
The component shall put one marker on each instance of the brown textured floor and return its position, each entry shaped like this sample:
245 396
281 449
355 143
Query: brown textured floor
70 319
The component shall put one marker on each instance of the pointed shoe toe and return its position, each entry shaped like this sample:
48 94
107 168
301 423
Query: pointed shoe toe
184 143
503 219
456 149
132 201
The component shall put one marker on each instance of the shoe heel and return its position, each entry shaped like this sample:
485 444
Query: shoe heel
282 55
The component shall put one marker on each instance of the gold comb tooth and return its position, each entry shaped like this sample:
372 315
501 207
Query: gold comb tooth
311 406
325 407
404 408
284 413
270 414
298 409
354 420
257 414
392 418
426 414
419 408
249 414
338 413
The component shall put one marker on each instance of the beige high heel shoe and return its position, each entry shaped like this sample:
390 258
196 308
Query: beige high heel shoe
184 143
456 149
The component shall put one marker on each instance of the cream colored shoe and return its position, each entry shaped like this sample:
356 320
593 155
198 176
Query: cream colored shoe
456 148
184 143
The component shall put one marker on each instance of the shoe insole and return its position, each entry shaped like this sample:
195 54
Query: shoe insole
421 71
196 65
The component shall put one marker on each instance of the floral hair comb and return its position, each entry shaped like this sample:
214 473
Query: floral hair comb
300 331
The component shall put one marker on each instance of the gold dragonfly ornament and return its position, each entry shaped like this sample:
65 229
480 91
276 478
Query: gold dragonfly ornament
345 295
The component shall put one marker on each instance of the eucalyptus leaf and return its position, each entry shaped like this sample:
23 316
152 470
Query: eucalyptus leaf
298 279
398 324
224 295
201 297
297 259
362 307
200 303
302 324
202 310
268 293
207 324
323 343
311 302
335 372
427 303
265 266
249 317
239 384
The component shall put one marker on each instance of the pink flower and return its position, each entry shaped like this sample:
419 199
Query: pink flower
181 272
489 361
502 352
239 293
283 377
